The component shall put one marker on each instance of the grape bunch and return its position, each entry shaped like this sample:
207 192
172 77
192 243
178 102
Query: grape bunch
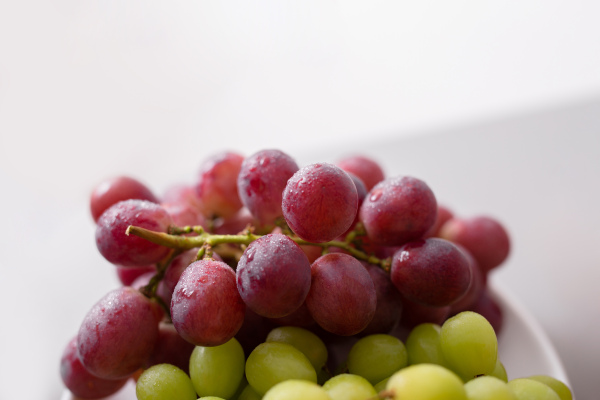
266 280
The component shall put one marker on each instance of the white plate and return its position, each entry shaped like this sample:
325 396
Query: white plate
524 348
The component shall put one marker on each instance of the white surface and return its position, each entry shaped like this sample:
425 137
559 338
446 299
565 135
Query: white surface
90 89
523 346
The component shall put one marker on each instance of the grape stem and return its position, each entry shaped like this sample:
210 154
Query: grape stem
176 241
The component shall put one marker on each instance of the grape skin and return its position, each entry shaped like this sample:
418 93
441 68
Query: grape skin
398 210
164 382
320 202
118 334
389 302
114 190
366 169
342 297
273 276
206 307
375 357
129 250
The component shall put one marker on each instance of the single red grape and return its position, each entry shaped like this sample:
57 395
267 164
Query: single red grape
117 189
368 170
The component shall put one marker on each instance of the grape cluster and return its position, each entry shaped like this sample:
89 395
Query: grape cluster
266 280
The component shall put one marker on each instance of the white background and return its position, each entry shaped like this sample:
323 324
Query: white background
493 103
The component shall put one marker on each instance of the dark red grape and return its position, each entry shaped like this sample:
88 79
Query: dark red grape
129 250
398 210
118 334
365 168
206 308
484 237
433 272
78 379
115 190
476 287
389 302
443 215
171 348
261 181
414 314
490 309
342 297
273 276
217 185
301 318
320 202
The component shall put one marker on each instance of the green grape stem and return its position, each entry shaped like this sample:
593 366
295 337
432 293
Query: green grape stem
175 240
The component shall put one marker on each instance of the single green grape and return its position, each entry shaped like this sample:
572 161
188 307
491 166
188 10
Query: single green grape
376 357
488 388
558 386
425 382
210 398
423 345
499 371
164 382
295 389
469 345
248 394
274 362
304 340
349 387
217 370
530 389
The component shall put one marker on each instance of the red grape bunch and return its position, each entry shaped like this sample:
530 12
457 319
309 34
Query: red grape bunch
263 278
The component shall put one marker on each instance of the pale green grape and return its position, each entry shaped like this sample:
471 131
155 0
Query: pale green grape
499 371
274 362
376 357
559 387
426 382
381 385
529 389
423 345
210 398
488 388
349 387
217 370
469 345
164 382
249 394
304 340
295 389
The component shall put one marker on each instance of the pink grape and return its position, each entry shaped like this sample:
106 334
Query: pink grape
206 308
261 181
118 334
366 169
217 185
78 379
484 237
320 202
174 271
129 250
443 215
433 272
342 297
398 210
273 276
127 275
117 189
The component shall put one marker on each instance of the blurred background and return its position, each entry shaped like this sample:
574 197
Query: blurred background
495 104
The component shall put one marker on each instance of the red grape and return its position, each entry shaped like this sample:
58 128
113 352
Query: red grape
261 181
389 302
365 168
171 348
398 210
433 272
117 189
320 202
127 275
206 308
130 250
118 334
217 185
342 297
443 215
273 276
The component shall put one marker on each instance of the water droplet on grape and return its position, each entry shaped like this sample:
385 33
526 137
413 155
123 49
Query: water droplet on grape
376 195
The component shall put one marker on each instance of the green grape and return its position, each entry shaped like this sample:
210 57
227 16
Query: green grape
304 340
349 387
381 385
243 384
164 382
274 362
425 382
375 357
210 398
249 394
217 370
488 388
499 371
530 389
469 345
559 387
423 345
296 389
